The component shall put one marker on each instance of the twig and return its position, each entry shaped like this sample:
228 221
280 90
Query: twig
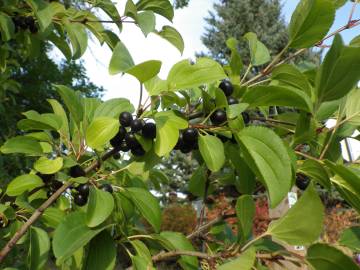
139 109
273 120
352 11
166 255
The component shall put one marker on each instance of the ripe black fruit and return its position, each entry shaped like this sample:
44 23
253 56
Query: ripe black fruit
47 178
83 189
124 147
232 100
149 130
29 21
218 117
190 135
186 148
180 142
55 185
77 171
125 119
116 156
118 138
79 199
107 188
131 140
227 87
138 151
137 125
302 181
246 117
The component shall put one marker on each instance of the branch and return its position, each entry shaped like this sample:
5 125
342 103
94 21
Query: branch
38 212
166 255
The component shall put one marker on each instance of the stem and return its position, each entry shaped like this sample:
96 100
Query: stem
273 120
166 255
275 60
248 244
308 156
139 109
352 11
246 74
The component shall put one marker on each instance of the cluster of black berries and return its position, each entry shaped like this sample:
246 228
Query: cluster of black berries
302 181
219 116
24 23
188 140
126 140
50 183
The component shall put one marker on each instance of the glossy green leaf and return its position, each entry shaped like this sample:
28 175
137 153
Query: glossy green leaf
145 71
267 156
212 151
324 257
258 52
310 22
245 261
236 63
147 205
72 234
121 59
186 75
314 170
78 38
245 212
52 217
39 249
22 145
277 96
168 125
303 223
351 238
155 86
173 36
100 207
146 22
6 26
23 183
102 253
100 131
161 7
48 166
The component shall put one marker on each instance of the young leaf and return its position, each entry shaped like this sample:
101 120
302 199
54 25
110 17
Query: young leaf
351 238
146 22
100 131
121 59
267 156
147 205
310 22
245 212
23 183
258 52
102 253
244 262
22 145
303 222
48 166
100 207
185 75
39 248
323 257
161 7
145 71
212 151
173 36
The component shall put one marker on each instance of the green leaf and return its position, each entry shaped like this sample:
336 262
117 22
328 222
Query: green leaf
352 107
236 63
197 182
168 125
23 183
161 7
59 111
258 52
310 22
277 96
351 238
72 102
130 10
78 38
323 257
48 166
121 59
113 108
142 250
244 262
316 171
6 26
146 22
22 145
100 131
303 222
180 242
100 207
44 12
267 156
245 212
52 217
147 205
39 248
145 71
72 234
338 73
185 75
212 151
102 253
173 36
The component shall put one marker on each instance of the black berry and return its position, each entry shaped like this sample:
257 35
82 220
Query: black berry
30 21
49 193
131 140
232 100
118 138
180 142
83 189
107 188
149 130
116 156
246 117
33 29
125 119
138 151
137 125
124 147
190 135
227 87
186 148
47 178
218 117
79 199
77 171
302 181
55 185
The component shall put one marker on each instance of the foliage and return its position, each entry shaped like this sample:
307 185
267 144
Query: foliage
93 184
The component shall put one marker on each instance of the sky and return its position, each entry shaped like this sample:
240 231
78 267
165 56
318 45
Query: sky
190 23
